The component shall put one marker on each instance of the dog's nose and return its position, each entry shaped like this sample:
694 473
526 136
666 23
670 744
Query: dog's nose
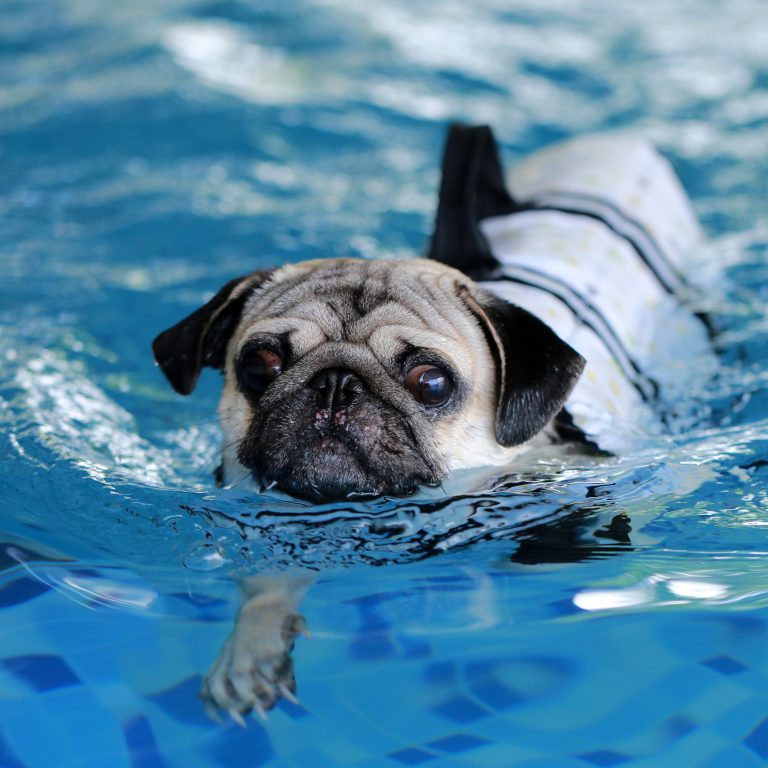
337 387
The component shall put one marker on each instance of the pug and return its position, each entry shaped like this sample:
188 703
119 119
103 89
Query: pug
551 308
347 377
353 377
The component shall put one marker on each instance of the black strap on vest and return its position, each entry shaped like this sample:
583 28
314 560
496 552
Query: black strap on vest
472 188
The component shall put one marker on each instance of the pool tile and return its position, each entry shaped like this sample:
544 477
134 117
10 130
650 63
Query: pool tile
371 645
65 722
603 758
42 672
560 608
86 573
411 756
7 758
734 756
757 740
678 726
141 744
441 672
181 702
238 747
725 665
21 590
483 679
12 554
367 603
199 601
414 649
460 709
294 711
201 608
373 639
746 626
457 742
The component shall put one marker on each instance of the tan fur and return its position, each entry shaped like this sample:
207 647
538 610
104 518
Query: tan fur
423 309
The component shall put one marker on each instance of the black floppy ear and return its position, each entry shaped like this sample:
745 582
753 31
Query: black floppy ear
201 339
537 369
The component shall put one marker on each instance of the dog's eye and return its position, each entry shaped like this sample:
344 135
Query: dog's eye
260 368
429 384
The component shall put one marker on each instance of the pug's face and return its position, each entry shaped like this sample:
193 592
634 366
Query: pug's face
348 377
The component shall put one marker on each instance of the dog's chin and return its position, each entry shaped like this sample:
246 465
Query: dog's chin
360 450
332 470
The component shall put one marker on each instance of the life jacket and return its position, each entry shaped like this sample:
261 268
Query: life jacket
591 236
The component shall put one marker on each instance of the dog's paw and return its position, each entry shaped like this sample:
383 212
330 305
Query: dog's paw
254 668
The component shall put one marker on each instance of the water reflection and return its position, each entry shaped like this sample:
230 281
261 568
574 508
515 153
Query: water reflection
254 668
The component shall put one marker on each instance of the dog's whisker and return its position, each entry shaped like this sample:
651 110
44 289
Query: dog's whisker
227 446
246 477
218 456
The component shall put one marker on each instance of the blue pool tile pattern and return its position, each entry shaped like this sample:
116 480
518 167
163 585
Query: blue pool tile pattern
757 740
460 709
412 756
725 665
141 745
21 590
458 742
481 708
7 758
41 672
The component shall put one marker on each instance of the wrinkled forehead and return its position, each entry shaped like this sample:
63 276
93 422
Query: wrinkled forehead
386 307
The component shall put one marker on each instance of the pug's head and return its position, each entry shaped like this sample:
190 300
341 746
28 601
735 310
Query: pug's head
348 377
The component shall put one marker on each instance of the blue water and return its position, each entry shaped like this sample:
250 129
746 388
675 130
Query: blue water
601 613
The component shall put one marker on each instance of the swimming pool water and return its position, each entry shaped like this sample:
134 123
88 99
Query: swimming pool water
600 613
